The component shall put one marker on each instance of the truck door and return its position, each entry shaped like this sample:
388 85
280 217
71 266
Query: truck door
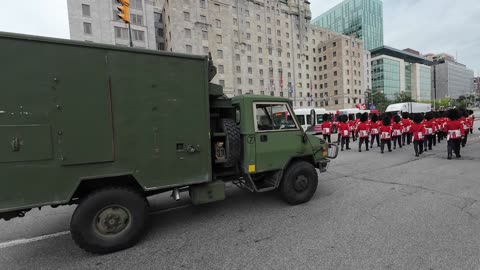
276 139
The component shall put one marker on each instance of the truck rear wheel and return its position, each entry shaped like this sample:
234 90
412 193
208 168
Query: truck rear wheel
299 183
232 141
109 220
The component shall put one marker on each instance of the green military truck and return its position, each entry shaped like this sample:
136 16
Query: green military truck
105 127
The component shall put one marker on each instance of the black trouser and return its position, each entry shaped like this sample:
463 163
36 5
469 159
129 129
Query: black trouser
346 140
406 138
440 136
338 138
464 140
360 142
327 138
434 139
471 130
417 145
395 140
373 140
353 135
428 142
388 143
454 145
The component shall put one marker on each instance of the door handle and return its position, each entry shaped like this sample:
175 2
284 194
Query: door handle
263 138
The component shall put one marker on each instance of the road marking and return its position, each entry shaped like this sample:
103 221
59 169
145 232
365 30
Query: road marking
30 240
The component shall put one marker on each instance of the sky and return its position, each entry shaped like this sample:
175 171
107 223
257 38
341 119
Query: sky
424 25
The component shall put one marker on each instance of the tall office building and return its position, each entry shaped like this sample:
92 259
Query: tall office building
265 47
453 80
476 86
395 71
97 21
362 19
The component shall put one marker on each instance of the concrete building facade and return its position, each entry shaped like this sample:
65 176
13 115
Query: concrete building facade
452 80
97 21
362 19
395 72
265 47
476 86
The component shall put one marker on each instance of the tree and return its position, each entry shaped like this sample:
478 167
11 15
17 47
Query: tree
380 101
403 97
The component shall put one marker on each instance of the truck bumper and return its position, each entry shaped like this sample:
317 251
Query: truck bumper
323 165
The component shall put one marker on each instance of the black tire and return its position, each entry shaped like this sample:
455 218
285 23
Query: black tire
86 220
299 183
232 142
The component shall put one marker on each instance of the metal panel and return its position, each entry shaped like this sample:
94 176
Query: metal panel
25 143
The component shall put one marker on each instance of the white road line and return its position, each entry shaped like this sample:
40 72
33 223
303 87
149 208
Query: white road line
30 240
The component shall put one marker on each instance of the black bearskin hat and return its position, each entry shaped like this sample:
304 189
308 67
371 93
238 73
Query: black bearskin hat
418 118
364 117
359 115
344 118
429 115
386 120
405 115
453 114
396 118
470 112
351 116
326 117
374 117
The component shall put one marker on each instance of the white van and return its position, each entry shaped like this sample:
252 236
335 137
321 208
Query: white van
304 116
410 107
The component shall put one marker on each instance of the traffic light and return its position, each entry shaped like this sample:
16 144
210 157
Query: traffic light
124 10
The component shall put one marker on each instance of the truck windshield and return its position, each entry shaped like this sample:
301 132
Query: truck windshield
274 117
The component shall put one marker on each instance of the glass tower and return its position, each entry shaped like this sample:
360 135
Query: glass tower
362 19
386 77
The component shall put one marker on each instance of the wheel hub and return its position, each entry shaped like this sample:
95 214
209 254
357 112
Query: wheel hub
301 183
112 220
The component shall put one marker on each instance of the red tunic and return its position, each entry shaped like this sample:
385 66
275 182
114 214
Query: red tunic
363 129
374 128
344 130
429 127
397 129
407 123
326 127
418 131
386 132
351 125
454 129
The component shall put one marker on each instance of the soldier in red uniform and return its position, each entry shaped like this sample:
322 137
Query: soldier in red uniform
472 120
397 131
351 125
363 130
326 127
429 125
386 134
406 122
418 131
466 126
344 131
454 129
374 130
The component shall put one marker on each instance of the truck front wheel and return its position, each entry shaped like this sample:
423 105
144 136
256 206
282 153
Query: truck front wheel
109 220
299 183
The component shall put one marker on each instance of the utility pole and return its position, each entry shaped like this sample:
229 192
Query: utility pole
124 14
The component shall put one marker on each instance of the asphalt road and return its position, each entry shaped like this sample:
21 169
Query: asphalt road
371 211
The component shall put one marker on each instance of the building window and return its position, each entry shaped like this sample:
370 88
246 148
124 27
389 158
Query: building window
239 81
204 35
336 101
85 10
203 4
219 39
217 7
221 82
138 35
203 19
87 28
335 73
334 63
186 16
136 4
188 48
188 33
136 19
121 32
334 54
218 23
221 69
161 46
220 54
